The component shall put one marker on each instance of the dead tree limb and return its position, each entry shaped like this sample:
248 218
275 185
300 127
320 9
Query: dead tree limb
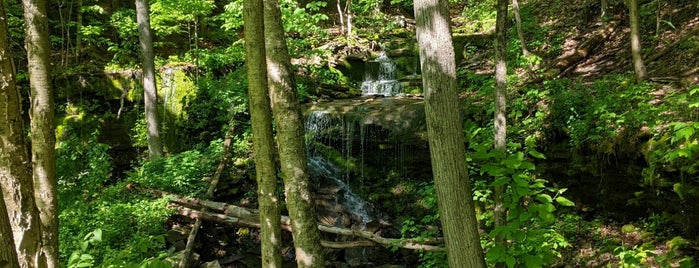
184 263
202 209
249 219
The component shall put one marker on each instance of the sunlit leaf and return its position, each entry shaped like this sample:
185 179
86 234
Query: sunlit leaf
564 201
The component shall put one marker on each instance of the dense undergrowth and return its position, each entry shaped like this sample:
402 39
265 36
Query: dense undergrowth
105 222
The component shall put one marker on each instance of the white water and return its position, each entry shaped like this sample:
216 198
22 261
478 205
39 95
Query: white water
380 78
323 168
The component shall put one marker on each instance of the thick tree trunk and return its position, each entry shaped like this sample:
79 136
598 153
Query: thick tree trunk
262 137
8 256
42 129
290 139
150 95
15 168
638 66
9 101
445 133
500 115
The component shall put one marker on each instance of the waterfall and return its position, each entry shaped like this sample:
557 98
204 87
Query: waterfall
380 77
322 168
321 127
353 142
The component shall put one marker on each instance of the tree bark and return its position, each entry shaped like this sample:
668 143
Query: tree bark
9 111
445 135
520 32
42 129
290 141
8 256
15 167
262 137
500 114
150 93
638 66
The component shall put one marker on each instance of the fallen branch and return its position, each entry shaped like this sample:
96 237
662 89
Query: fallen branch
248 218
196 208
184 263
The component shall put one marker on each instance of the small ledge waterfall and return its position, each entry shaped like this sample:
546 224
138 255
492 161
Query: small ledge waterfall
380 78
353 144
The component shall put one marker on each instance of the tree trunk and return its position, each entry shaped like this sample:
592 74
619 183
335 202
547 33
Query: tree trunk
638 66
290 139
43 135
262 137
9 116
150 95
8 256
349 13
500 114
446 135
78 28
604 8
520 32
15 169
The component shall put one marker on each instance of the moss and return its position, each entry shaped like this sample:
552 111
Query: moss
176 87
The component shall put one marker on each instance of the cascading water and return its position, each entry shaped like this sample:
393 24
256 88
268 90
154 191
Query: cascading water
380 77
358 142
320 167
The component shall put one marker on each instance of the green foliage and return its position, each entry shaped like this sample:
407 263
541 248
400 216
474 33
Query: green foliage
124 22
168 16
479 17
82 167
217 102
415 228
299 22
601 116
15 22
219 62
184 173
132 227
529 202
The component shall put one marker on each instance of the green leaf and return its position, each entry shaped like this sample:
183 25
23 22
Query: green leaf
564 201
500 181
510 260
544 198
496 253
537 154
520 182
533 261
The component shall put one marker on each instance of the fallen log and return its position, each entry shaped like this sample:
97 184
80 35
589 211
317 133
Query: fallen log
571 57
671 46
221 212
250 219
